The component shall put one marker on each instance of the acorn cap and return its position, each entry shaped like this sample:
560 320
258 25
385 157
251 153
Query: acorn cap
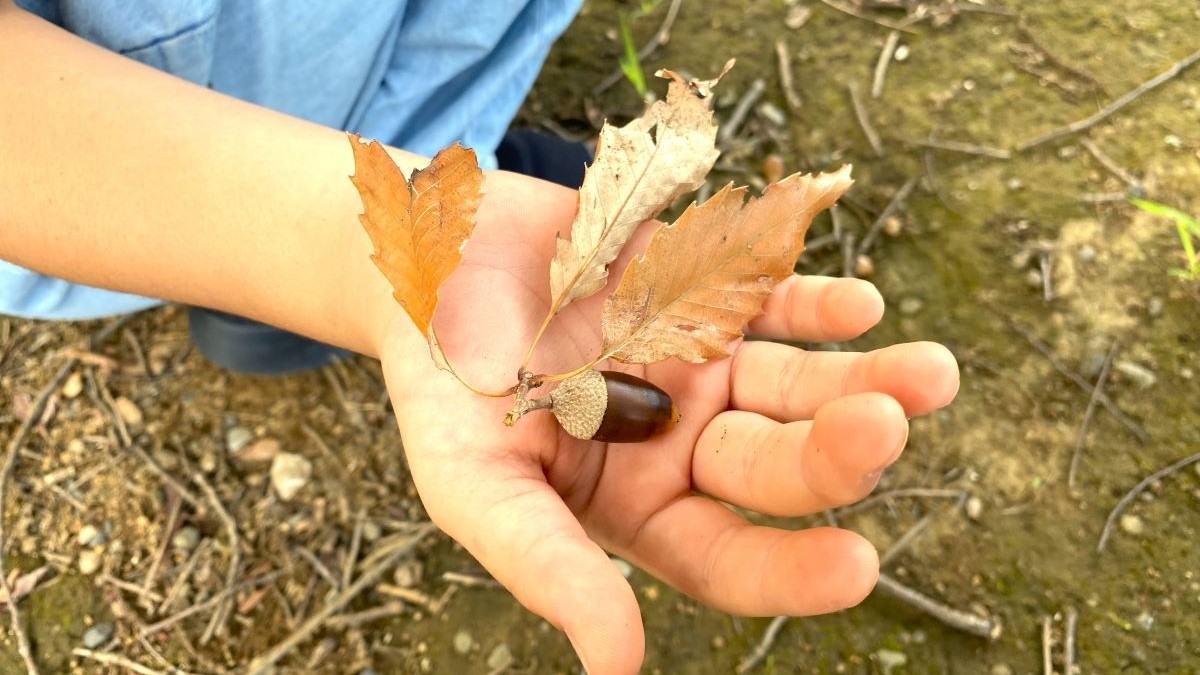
579 404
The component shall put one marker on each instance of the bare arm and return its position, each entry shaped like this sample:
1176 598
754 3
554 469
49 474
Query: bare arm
116 175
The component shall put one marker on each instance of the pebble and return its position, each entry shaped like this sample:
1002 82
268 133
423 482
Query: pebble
718 642
88 535
89 561
1033 278
1095 352
890 659
97 636
408 573
974 507
902 53
1132 524
237 438
1141 376
798 16
1145 620
73 386
773 168
911 305
372 531
623 567
1154 307
772 114
1086 254
864 266
186 538
130 414
893 226
289 473
463 642
500 658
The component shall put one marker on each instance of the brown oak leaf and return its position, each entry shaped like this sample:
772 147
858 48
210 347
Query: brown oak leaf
639 170
705 276
419 226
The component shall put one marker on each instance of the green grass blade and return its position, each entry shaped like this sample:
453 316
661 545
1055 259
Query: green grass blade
631 65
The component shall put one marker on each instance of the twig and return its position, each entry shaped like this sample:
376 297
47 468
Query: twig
352 554
352 411
235 555
217 599
738 115
10 462
984 627
356 619
181 580
905 540
784 57
864 121
763 647
1108 163
1133 427
1089 412
1045 262
885 59
1069 641
130 587
873 19
1137 489
965 148
177 485
152 573
1091 121
835 218
902 492
319 567
111 659
661 37
265 661
894 205
1047 643
470 580
138 353
848 255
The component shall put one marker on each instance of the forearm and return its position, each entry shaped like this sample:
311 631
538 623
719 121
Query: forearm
116 175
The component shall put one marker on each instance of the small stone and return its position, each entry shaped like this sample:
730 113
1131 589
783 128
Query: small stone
237 438
911 305
1145 620
130 414
625 568
73 386
1173 141
1086 254
76 446
893 226
463 642
1140 375
797 16
372 531
901 54
289 473
186 539
864 266
501 658
772 114
408 573
1033 278
968 84
259 452
890 659
97 636
1015 183
87 535
1001 669
718 642
1154 307
1132 524
89 561
1095 353
974 507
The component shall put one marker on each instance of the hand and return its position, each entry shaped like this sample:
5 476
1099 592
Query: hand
774 429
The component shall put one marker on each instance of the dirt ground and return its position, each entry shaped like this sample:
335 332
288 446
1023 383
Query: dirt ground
143 488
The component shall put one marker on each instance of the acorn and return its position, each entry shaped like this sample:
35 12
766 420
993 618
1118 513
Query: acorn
604 405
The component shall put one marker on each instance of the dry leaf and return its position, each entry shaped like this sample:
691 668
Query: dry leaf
639 170
23 584
705 276
418 227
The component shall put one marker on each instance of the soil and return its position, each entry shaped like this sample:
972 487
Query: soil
988 256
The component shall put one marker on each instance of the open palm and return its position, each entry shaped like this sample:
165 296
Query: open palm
773 429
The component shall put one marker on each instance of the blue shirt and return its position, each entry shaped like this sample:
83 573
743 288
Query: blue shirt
419 74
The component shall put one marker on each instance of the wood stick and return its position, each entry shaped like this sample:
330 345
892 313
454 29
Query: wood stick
763 647
885 59
235 555
984 627
1108 163
965 148
110 659
1105 112
1047 643
1137 489
892 207
873 19
1069 641
864 121
730 128
784 57
1089 412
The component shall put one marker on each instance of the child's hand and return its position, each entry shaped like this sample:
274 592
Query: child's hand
773 429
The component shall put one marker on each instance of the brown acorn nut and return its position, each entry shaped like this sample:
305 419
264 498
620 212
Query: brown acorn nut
612 407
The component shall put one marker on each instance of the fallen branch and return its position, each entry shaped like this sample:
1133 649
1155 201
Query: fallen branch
864 121
763 647
885 59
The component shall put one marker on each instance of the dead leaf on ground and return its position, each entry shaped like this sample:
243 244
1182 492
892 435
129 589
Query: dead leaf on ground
705 276
23 584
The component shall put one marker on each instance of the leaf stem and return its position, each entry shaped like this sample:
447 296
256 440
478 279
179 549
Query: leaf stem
440 359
